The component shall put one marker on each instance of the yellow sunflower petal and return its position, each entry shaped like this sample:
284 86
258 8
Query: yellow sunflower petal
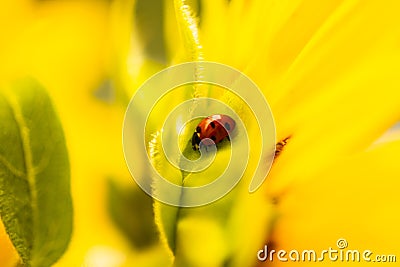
338 90
214 31
9 256
356 200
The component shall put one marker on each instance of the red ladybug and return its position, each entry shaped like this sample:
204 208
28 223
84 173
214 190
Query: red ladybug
215 127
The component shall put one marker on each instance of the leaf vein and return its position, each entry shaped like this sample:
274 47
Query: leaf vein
26 151
14 170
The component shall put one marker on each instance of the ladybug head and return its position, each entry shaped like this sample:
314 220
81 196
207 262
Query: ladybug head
196 141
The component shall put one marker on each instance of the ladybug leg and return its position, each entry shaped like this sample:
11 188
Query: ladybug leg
229 139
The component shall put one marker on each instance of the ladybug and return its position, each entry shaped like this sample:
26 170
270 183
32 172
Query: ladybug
215 127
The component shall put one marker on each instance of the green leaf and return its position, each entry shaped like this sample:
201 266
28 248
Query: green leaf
35 200
126 205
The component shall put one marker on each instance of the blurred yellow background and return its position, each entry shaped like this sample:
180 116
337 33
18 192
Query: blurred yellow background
73 48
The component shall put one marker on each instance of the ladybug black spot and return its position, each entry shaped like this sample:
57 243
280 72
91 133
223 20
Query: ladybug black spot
198 129
227 126
213 138
212 125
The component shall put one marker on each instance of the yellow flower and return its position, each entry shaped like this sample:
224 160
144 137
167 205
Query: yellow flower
328 70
